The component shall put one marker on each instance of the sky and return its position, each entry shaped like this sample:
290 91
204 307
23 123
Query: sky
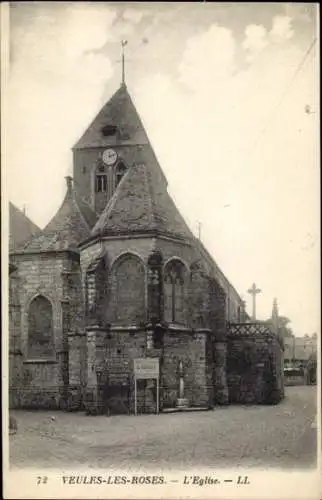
228 94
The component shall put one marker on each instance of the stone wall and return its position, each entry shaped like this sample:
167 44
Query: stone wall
201 302
218 326
15 354
40 385
110 376
77 366
254 365
55 275
190 348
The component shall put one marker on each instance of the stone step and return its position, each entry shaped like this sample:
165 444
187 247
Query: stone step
185 409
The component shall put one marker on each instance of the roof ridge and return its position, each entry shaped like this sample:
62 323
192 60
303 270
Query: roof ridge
202 249
74 197
150 198
22 213
21 227
66 228
111 203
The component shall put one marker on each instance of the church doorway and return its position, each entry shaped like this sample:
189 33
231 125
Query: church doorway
116 396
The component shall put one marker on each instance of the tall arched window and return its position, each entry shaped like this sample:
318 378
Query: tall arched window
101 179
129 290
155 286
40 328
119 172
174 292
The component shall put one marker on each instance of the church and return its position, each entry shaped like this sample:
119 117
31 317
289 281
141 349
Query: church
117 276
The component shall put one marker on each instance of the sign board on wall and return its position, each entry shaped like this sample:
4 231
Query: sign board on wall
146 368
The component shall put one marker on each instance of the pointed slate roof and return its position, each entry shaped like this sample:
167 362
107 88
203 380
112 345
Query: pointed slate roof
120 112
141 203
71 224
21 228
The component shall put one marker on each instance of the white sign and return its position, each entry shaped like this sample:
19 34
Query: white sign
145 368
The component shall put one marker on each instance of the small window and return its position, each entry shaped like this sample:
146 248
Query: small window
101 183
109 130
120 171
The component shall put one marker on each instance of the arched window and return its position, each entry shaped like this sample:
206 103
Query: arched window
174 292
119 172
101 179
40 328
155 286
129 290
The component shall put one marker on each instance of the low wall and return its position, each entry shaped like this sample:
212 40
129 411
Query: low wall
254 365
295 376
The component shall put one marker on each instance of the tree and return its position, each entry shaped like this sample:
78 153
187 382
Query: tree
283 322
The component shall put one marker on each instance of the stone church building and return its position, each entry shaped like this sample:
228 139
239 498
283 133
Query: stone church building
117 275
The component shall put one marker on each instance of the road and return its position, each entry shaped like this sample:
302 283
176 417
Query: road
237 436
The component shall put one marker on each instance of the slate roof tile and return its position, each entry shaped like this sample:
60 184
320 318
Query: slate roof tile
120 112
141 203
71 224
21 228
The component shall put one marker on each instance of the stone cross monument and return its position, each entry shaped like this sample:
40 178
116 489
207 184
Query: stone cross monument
254 291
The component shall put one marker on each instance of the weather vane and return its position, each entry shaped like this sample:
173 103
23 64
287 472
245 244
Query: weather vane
123 43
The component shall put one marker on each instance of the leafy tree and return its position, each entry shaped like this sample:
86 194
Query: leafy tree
283 326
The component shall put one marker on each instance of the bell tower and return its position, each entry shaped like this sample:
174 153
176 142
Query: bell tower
111 145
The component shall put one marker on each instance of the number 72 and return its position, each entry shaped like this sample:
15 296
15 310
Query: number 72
42 479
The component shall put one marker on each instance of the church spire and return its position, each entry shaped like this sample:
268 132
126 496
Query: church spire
275 309
275 314
123 44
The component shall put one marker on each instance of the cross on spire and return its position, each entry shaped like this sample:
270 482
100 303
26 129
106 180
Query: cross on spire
253 292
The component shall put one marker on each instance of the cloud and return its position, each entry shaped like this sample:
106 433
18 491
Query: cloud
133 15
282 29
255 40
86 29
89 29
208 56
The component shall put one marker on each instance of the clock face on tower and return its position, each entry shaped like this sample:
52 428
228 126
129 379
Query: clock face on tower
109 156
